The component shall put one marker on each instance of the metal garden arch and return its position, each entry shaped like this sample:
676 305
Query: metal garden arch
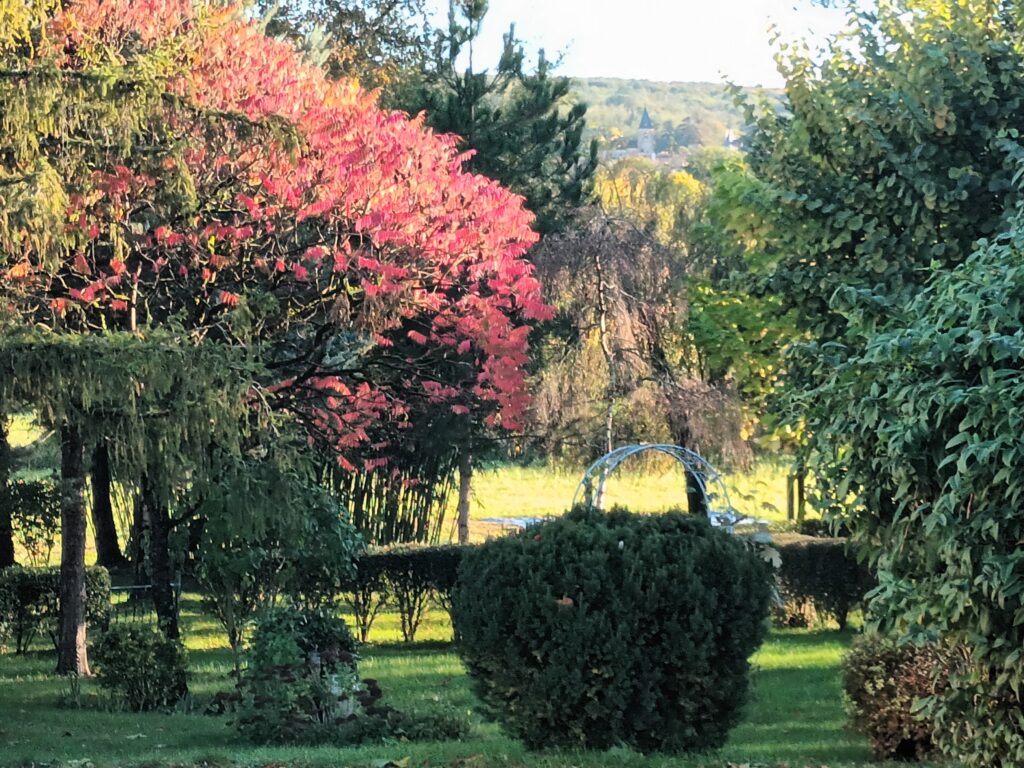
709 481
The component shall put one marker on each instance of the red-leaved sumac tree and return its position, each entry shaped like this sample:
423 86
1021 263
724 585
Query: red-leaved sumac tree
165 165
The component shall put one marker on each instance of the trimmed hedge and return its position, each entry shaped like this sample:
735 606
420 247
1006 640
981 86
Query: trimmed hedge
824 575
595 630
883 683
30 601
408 577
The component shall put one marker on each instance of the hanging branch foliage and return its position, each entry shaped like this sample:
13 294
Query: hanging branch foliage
154 398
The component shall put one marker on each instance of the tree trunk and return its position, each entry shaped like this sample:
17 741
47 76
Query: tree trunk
108 551
72 658
6 524
609 357
161 570
137 541
679 423
465 485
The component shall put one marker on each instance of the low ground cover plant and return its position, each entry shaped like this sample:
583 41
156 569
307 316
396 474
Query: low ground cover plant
301 685
596 630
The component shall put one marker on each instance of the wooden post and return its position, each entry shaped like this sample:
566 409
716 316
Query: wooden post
790 505
465 487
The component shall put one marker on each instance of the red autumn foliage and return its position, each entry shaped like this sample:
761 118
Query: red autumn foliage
260 185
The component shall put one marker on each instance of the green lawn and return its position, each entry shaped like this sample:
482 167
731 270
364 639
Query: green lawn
795 716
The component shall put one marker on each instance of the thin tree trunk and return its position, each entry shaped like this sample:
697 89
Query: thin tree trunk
465 485
606 351
609 358
6 524
72 658
108 551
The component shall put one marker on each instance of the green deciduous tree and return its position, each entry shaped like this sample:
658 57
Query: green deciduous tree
883 205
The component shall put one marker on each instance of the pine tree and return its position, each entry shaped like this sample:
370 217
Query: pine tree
519 124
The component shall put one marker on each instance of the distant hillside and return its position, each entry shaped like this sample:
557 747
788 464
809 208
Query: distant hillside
684 114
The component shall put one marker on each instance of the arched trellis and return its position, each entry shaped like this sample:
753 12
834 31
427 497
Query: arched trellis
708 480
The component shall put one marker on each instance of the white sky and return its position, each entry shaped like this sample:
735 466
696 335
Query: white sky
691 40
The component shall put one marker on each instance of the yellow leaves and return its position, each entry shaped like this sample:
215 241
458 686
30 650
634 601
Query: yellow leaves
19 19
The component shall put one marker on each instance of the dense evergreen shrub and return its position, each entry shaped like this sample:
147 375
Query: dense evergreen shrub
595 630
884 684
30 601
824 575
443 563
140 666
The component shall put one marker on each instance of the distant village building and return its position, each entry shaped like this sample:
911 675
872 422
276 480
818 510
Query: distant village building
645 136
733 140
644 144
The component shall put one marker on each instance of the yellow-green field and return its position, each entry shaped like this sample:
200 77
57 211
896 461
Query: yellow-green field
512 491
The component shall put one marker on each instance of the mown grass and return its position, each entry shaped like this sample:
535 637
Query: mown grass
795 715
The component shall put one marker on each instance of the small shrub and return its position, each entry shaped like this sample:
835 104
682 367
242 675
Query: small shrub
30 601
140 667
34 507
307 555
595 630
322 560
300 683
884 683
407 577
408 572
820 577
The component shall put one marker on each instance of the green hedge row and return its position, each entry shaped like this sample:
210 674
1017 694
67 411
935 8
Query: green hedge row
30 602
408 578
823 575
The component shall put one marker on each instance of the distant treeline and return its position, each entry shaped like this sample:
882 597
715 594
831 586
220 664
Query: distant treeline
684 114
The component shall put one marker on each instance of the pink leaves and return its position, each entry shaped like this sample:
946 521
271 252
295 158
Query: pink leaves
366 217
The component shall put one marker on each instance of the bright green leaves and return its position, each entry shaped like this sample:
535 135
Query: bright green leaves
930 415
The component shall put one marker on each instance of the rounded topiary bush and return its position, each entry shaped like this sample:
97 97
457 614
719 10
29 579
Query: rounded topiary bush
596 630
